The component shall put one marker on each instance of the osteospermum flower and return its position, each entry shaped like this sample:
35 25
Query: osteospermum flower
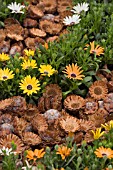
71 20
29 85
97 134
6 151
29 64
46 70
29 53
108 126
4 57
63 151
74 72
36 154
80 7
101 152
16 8
98 50
6 74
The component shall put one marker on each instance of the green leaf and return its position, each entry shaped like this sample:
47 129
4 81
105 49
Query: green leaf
86 79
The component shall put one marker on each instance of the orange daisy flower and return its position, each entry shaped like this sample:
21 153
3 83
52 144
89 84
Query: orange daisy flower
74 72
98 50
35 155
101 152
63 151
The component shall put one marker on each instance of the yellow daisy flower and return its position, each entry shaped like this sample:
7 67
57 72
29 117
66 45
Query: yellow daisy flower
74 72
97 134
4 57
98 50
29 85
29 53
101 152
6 74
63 151
29 64
108 126
46 70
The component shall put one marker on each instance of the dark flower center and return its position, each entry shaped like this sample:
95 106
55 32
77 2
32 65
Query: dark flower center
73 75
98 91
104 154
4 77
29 87
45 72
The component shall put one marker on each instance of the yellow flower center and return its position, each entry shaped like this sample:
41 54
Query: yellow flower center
29 87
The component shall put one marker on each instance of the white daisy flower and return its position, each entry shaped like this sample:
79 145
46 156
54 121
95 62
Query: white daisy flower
29 166
71 20
80 7
16 8
6 151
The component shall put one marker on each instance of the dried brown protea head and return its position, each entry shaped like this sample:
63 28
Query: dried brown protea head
88 137
98 90
78 136
56 103
4 46
19 104
39 123
82 115
20 125
5 118
90 106
30 138
97 119
6 124
29 23
70 124
108 102
10 21
12 139
50 27
7 127
14 31
35 12
101 77
50 17
103 112
4 133
30 112
15 49
6 104
29 42
110 86
52 114
53 90
49 6
50 137
51 39
35 32
86 125
74 102
41 104
2 34
63 5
